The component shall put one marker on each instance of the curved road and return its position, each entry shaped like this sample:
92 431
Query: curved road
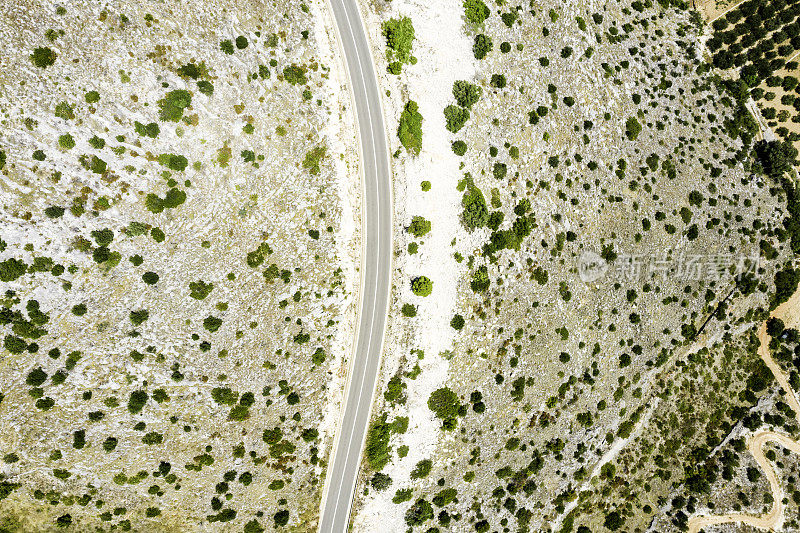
774 518
376 262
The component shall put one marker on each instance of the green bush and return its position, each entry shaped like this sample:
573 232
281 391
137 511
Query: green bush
200 289
775 157
171 107
499 171
253 527
153 438
409 310
475 213
632 128
498 81
480 279
97 165
475 11
66 141
445 405
466 93
459 148
457 322
136 401
139 317
422 469
11 269
399 35
613 521
410 129
456 117
444 497
421 286
154 203
157 234
380 481
313 159
785 285
257 256
205 87
402 495
36 377
295 74
419 226
281 518
110 444
65 111
225 396
419 513
14 345
54 211
318 357
43 57
239 413
377 446
482 46
190 70
174 162
147 130
310 435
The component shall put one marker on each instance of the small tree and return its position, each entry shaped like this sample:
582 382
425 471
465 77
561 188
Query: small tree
776 157
482 46
399 35
410 129
422 286
295 74
422 469
408 310
466 93
43 57
444 404
456 117
475 11
632 128
419 226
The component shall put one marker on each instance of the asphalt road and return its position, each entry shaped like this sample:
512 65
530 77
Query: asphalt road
376 261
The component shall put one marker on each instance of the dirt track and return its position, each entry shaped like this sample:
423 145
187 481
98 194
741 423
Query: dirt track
773 520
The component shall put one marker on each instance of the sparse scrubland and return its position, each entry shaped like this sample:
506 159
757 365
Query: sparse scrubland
618 400
177 264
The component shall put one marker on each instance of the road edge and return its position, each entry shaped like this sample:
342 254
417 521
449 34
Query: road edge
362 178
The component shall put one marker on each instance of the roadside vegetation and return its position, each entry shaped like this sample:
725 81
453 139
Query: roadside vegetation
399 35
410 129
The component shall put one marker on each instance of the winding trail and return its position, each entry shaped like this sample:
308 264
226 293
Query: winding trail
772 520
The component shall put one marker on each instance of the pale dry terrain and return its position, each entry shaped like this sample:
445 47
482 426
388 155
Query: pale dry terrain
178 263
587 133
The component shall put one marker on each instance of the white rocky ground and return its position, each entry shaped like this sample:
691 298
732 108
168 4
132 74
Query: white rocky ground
248 180
443 51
